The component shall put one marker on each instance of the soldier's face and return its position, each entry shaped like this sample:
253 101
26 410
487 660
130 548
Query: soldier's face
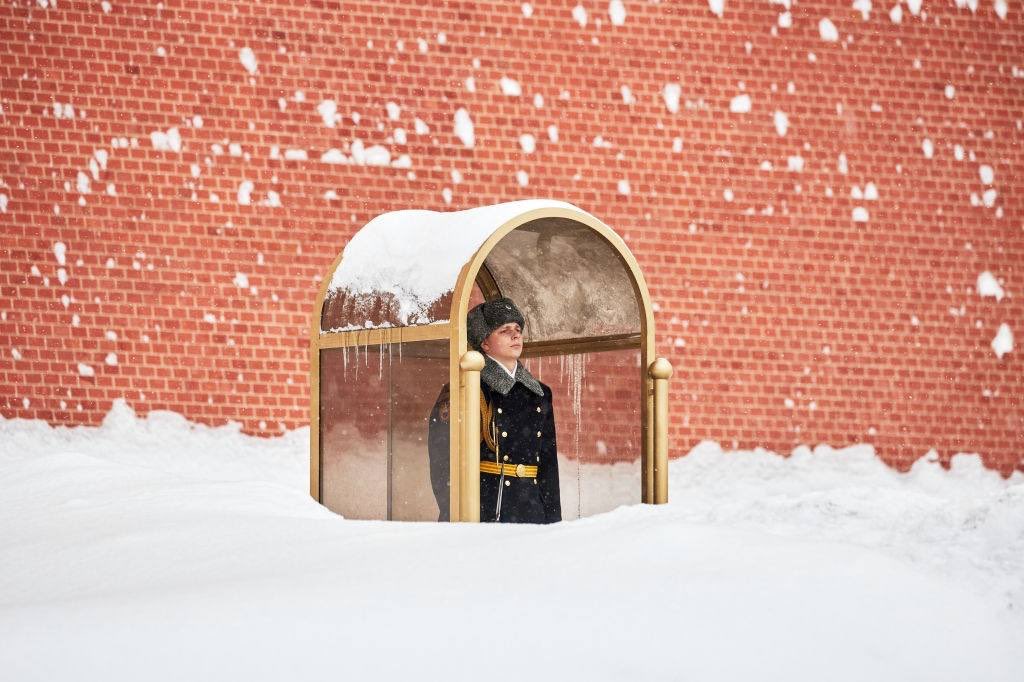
505 343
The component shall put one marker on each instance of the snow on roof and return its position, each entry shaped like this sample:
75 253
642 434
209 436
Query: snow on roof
416 255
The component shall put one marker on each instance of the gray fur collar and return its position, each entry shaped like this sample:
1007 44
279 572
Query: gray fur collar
498 379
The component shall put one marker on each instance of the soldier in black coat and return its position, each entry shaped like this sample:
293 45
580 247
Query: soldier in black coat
518 453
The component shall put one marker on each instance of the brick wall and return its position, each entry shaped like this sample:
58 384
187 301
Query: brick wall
797 307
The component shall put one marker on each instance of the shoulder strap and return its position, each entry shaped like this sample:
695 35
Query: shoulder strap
486 420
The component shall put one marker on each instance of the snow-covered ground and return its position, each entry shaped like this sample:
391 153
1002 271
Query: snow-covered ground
156 549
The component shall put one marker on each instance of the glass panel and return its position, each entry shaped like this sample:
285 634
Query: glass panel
375 406
354 432
568 281
418 373
597 399
345 310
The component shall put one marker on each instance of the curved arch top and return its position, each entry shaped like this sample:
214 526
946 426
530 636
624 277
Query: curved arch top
410 268
400 269
571 275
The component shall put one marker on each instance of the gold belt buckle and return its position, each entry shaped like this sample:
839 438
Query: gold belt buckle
521 470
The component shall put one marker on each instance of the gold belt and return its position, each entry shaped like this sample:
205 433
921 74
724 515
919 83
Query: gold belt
517 470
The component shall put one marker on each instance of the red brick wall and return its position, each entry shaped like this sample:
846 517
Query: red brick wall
775 295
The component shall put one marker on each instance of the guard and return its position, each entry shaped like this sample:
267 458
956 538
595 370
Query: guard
518 452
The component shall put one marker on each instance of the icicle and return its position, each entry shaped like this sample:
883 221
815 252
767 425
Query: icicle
577 366
344 361
380 361
576 377
572 375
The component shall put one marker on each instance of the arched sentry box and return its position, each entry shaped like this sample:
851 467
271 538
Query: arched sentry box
389 331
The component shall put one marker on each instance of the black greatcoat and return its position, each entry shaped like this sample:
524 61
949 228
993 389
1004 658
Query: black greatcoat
524 427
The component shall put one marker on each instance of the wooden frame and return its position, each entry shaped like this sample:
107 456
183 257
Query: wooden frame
590 344
475 272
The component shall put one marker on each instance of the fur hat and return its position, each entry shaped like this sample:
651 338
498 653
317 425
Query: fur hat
488 316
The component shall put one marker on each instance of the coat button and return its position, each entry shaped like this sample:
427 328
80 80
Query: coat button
508 482
505 458
538 409
538 434
504 434
535 481
499 410
520 470
538 458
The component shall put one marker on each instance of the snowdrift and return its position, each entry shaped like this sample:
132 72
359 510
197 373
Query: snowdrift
158 549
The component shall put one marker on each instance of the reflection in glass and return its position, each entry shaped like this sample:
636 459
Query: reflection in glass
416 379
353 432
567 279
597 399
375 402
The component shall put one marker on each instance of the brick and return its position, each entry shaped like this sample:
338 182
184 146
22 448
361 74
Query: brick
819 291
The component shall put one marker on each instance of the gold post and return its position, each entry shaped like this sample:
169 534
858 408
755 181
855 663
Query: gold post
660 371
469 499
314 421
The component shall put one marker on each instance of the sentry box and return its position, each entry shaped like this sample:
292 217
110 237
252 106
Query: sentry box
389 331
